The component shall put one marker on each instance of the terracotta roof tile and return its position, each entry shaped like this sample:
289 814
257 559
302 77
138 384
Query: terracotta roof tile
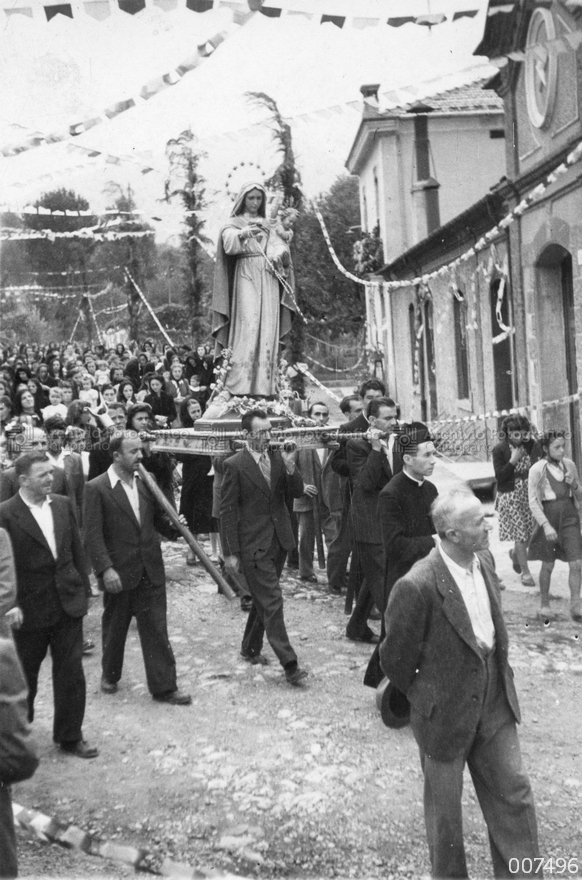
465 98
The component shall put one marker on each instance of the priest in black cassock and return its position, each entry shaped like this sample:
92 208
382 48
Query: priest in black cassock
404 512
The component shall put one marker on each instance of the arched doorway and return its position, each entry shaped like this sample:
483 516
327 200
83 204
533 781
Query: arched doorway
557 343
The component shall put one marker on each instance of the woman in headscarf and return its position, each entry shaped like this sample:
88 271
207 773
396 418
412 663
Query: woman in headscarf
252 310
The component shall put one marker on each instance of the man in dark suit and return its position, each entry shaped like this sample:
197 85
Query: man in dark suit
407 529
372 464
340 549
256 532
322 486
70 463
121 521
446 648
52 594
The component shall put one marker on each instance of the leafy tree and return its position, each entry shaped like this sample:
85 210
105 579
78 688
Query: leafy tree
137 254
187 184
61 262
329 299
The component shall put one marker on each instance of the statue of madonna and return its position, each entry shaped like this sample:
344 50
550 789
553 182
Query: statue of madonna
252 310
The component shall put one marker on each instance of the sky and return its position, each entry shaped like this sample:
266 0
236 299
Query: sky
68 70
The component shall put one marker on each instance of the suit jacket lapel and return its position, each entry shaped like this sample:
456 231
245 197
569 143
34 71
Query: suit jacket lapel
454 607
144 496
118 493
496 612
30 525
59 525
254 473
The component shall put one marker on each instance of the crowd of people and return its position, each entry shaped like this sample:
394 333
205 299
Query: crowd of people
75 429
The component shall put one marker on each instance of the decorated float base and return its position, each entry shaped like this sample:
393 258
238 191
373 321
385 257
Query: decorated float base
220 432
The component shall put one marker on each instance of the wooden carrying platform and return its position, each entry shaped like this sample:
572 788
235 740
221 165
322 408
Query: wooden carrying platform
224 440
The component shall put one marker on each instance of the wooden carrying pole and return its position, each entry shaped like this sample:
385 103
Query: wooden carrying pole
223 587
318 533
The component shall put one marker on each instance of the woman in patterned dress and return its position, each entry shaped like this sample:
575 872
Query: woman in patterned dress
512 458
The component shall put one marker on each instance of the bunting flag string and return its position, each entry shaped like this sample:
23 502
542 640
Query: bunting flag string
60 293
501 413
88 271
274 11
484 242
337 369
302 368
148 90
10 234
112 309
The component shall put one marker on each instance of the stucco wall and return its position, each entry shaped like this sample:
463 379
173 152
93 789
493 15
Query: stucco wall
466 161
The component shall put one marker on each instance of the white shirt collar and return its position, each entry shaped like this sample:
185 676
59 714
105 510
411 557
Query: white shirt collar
29 504
453 566
410 477
114 477
256 455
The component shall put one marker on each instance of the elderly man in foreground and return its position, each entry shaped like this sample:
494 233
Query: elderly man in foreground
446 648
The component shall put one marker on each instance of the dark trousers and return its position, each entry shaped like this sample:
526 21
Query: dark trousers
266 614
8 860
502 788
329 527
339 551
65 640
370 557
147 604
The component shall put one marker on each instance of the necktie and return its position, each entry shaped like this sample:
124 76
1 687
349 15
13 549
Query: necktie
265 466
390 452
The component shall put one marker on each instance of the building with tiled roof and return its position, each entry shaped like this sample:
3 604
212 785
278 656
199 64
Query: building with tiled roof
463 157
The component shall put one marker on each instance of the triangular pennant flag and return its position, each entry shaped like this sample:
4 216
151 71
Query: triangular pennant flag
430 20
400 20
338 20
466 13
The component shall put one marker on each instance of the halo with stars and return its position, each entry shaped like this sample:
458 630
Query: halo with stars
241 174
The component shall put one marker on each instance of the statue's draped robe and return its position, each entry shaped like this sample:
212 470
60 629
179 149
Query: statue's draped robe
252 314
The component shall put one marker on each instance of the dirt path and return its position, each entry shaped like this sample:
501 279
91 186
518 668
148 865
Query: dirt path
265 780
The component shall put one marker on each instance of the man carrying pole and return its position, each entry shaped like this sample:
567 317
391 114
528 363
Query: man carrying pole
121 521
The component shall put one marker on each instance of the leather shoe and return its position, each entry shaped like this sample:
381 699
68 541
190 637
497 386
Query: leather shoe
368 636
246 603
256 659
108 687
310 578
576 611
296 676
88 646
80 749
174 698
